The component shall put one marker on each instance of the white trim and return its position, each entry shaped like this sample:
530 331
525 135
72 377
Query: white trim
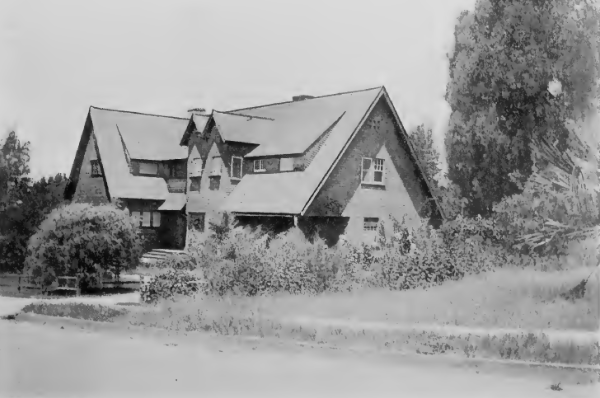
241 167
339 156
261 164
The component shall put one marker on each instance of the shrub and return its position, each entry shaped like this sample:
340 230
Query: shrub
169 285
84 241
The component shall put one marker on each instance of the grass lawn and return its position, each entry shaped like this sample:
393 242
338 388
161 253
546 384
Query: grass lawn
506 298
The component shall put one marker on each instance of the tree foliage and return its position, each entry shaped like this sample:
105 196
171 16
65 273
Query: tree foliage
14 169
521 71
83 240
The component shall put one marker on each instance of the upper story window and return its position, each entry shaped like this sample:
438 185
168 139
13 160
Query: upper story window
286 164
148 168
216 166
373 171
96 170
236 167
259 165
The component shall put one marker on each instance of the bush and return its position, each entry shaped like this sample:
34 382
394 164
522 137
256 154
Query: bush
169 285
84 241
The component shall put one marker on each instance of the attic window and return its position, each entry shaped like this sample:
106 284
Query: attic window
148 168
259 165
372 171
96 171
236 167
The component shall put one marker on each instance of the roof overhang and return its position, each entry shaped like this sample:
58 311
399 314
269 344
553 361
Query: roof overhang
173 202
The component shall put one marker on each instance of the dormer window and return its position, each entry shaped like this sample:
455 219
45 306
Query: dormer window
259 165
236 167
373 171
96 171
147 168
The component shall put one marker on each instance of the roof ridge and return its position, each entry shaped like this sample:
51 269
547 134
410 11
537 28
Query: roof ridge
138 113
308 99
242 115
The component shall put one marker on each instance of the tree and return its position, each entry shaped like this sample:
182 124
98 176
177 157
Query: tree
21 220
83 240
448 197
521 71
14 168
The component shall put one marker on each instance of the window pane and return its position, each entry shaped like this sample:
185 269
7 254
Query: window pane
149 168
259 165
197 221
146 219
378 176
194 183
137 216
366 167
215 183
236 167
155 219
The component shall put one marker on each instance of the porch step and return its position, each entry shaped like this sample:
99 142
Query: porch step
157 255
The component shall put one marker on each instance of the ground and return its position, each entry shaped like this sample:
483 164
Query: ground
52 361
63 357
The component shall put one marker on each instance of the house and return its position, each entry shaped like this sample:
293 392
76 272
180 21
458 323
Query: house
135 159
341 162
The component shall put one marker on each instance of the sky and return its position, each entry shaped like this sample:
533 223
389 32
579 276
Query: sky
166 57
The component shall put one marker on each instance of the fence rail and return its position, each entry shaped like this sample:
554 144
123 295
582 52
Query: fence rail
20 284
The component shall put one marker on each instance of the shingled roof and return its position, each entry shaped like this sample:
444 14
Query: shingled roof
140 136
294 127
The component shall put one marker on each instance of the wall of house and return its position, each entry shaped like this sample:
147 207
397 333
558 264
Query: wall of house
87 189
343 195
152 236
207 200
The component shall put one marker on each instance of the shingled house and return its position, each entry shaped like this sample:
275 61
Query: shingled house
135 158
339 162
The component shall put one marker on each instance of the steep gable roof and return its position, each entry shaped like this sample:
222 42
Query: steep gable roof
289 193
292 193
121 135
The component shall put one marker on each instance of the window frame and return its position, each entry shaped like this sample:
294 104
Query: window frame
370 173
370 230
261 164
241 159
139 215
95 164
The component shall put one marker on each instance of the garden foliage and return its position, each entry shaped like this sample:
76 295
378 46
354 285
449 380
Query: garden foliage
85 241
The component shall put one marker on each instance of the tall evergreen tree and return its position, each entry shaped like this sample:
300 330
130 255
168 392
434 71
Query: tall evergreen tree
522 72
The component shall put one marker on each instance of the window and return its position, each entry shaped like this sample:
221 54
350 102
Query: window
370 225
259 165
286 164
148 168
155 219
236 167
195 183
96 171
372 171
197 221
147 219
216 166
214 183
